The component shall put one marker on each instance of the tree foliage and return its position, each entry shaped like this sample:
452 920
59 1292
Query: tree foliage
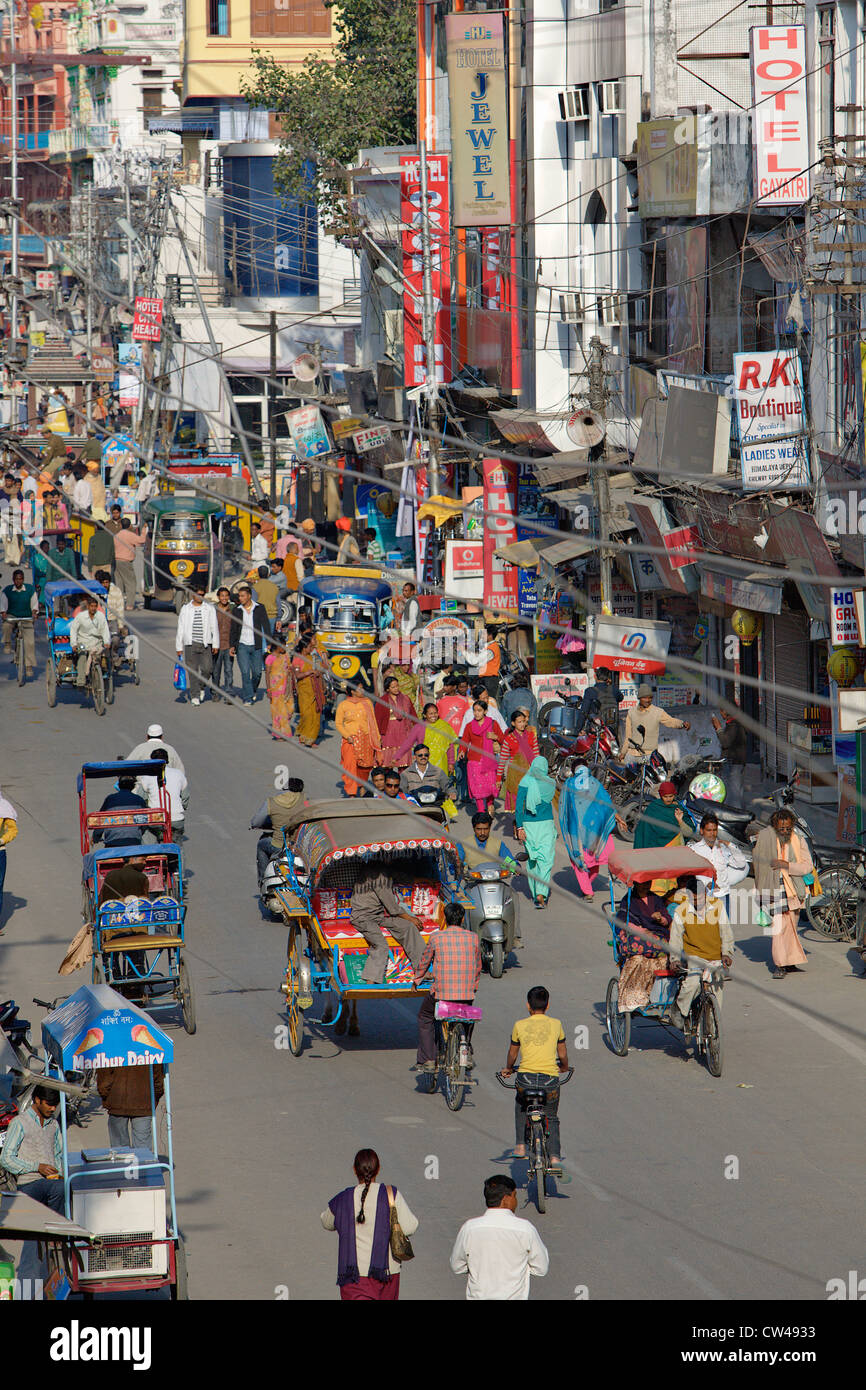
329 109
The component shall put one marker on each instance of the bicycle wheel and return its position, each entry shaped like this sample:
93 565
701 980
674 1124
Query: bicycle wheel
539 1164
109 684
187 1003
19 658
455 1075
97 689
618 1024
630 813
710 1033
834 912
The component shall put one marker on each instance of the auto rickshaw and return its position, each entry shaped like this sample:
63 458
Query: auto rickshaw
184 547
346 608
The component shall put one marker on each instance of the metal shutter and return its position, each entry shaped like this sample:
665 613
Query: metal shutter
791 666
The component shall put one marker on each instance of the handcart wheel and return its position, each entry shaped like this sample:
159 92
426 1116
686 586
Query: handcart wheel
50 684
187 1003
293 1008
710 1033
180 1287
618 1024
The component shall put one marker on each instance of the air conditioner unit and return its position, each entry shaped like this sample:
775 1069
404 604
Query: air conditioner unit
393 319
570 307
611 98
574 103
614 310
122 1213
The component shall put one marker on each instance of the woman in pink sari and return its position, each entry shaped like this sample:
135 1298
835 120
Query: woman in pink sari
481 740
280 692
519 747
396 720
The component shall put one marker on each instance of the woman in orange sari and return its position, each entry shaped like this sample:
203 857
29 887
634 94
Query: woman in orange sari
356 724
309 689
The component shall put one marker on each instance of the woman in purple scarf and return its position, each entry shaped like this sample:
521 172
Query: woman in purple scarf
361 1216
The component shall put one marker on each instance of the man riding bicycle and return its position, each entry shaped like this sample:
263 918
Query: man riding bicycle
455 957
19 606
539 1042
87 636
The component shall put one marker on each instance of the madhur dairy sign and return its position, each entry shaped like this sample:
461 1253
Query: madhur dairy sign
768 389
781 131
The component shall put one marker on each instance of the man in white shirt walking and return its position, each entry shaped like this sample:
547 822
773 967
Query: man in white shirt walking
499 1251
197 643
178 793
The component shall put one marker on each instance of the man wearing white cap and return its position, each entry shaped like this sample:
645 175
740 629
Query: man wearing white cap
143 751
649 717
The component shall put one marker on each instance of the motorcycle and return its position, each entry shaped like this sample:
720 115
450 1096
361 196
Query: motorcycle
593 744
492 914
431 801
273 878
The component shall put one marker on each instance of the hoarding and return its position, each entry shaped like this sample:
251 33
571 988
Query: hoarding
630 644
781 131
128 374
844 624
477 95
438 202
308 432
464 569
500 495
768 390
147 322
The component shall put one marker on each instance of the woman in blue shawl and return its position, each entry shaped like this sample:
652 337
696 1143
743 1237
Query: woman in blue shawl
586 818
535 826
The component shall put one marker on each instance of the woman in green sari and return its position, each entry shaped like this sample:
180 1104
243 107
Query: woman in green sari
442 741
535 827
659 827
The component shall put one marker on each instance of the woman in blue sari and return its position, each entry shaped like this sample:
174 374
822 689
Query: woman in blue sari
586 818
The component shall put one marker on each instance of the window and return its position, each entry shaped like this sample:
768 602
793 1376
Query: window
283 18
151 101
218 19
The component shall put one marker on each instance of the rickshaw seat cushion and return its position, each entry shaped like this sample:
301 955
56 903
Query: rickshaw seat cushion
332 906
353 963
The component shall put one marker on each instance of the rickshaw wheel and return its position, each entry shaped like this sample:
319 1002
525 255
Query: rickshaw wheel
618 1024
180 1287
97 689
293 1008
710 1033
187 1004
50 683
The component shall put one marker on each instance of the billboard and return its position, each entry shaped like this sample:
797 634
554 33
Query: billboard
768 390
477 96
308 432
414 363
630 644
129 369
147 321
500 496
781 130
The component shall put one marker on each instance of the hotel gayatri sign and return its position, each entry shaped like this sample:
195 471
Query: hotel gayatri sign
475 45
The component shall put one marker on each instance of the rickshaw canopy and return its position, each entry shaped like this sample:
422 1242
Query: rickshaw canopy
97 1027
643 865
328 833
201 506
151 768
156 851
324 587
64 588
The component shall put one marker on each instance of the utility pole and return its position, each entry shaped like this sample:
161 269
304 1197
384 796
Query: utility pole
217 358
13 326
88 408
272 402
130 263
428 320
597 397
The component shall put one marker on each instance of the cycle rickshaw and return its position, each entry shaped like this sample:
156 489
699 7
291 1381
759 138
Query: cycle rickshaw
60 668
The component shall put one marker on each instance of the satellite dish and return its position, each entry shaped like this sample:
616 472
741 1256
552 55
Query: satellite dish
585 429
306 367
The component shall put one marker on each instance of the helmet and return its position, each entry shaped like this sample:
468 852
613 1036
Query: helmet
708 786
154 731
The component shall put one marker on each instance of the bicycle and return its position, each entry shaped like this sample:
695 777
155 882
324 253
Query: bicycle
453 1061
19 659
536 1134
836 912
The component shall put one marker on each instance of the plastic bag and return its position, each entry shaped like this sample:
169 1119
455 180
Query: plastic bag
180 680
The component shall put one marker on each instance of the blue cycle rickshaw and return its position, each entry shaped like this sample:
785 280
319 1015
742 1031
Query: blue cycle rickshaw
122 822
138 942
60 668
117 1195
643 866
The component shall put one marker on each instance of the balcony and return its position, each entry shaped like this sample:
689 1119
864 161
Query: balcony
78 139
34 140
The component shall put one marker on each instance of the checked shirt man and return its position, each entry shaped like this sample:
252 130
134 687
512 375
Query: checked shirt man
455 957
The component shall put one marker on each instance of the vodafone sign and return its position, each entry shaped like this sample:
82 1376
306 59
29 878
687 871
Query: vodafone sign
464 569
778 61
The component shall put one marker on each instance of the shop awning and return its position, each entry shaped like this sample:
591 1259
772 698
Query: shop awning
761 590
553 557
528 427
439 510
522 553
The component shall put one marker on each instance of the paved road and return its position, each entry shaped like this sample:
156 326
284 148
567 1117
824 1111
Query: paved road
264 1139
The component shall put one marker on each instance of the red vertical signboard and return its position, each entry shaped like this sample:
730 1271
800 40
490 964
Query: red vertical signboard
500 495
415 367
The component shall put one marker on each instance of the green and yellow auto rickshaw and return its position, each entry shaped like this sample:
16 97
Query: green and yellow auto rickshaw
184 547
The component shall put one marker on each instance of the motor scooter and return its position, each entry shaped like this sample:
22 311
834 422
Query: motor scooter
493 912
273 878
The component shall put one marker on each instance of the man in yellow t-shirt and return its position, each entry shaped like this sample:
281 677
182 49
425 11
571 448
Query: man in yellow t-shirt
539 1042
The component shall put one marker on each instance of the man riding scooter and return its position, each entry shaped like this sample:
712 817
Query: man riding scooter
274 814
493 911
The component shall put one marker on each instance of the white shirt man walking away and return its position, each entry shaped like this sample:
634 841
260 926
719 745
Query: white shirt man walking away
499 1251
197 643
